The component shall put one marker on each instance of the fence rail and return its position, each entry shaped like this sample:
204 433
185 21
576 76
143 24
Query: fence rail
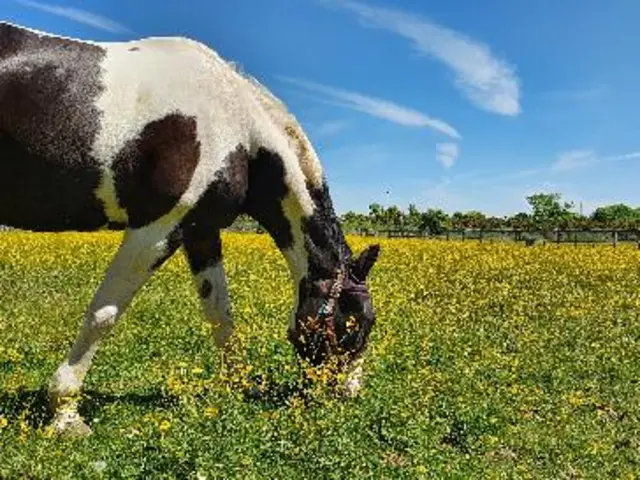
529 237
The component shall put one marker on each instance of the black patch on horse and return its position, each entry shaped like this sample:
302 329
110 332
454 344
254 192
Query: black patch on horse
324 240
217 208
203 250
267 189
152 171
253 185
48 124
205 289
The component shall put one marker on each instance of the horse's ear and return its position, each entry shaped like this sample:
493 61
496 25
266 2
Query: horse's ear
361 266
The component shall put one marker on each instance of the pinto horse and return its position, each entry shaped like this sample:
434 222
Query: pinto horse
162 138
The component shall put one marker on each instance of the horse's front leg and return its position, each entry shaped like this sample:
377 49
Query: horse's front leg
142 252
204 255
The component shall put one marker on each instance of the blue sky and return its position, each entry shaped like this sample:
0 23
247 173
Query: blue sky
458 105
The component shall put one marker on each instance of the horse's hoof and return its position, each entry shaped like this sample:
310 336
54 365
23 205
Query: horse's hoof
70 425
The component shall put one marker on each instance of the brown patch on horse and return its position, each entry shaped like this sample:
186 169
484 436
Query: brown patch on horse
48 124
152 171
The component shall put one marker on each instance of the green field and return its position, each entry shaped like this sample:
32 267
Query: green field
487 361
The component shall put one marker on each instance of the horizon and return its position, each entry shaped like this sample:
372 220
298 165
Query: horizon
441 106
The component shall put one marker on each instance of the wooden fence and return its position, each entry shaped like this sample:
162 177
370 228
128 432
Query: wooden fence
530 237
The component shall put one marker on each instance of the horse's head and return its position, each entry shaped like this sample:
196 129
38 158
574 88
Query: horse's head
335 315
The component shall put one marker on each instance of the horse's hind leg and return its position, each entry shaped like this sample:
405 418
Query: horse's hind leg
204 254
141 252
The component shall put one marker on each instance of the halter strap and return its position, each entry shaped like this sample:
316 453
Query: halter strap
327 309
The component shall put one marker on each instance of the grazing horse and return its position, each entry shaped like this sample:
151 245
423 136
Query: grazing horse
162 138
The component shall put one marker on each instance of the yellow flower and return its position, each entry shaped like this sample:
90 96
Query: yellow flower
211 412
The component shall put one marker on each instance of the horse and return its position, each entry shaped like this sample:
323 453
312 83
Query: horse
163 139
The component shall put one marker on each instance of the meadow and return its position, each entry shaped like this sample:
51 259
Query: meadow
487 361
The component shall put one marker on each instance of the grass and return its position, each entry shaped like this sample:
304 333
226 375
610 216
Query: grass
487 361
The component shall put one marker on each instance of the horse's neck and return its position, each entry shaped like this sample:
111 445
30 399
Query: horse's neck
310 239
325 244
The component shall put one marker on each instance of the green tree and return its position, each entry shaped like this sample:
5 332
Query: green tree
617 215
520 221
393 217
376 215
434 221
549 211
471 219
413 217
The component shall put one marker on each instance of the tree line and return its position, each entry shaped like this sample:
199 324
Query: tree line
547 211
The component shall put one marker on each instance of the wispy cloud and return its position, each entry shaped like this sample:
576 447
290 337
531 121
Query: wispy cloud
574 160
625 156
78 15
330 128
487 81
577 159
376 107
447 153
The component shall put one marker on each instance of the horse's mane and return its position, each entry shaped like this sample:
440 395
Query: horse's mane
309 162
237 67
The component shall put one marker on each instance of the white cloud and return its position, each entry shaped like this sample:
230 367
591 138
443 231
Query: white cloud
376 107
574 160
489 82
625 156
329 128
78 15
447 153
577 159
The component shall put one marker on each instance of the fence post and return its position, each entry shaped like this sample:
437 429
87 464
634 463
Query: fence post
558 236
615 238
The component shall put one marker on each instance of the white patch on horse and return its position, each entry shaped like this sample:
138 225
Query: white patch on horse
215 305
106 192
